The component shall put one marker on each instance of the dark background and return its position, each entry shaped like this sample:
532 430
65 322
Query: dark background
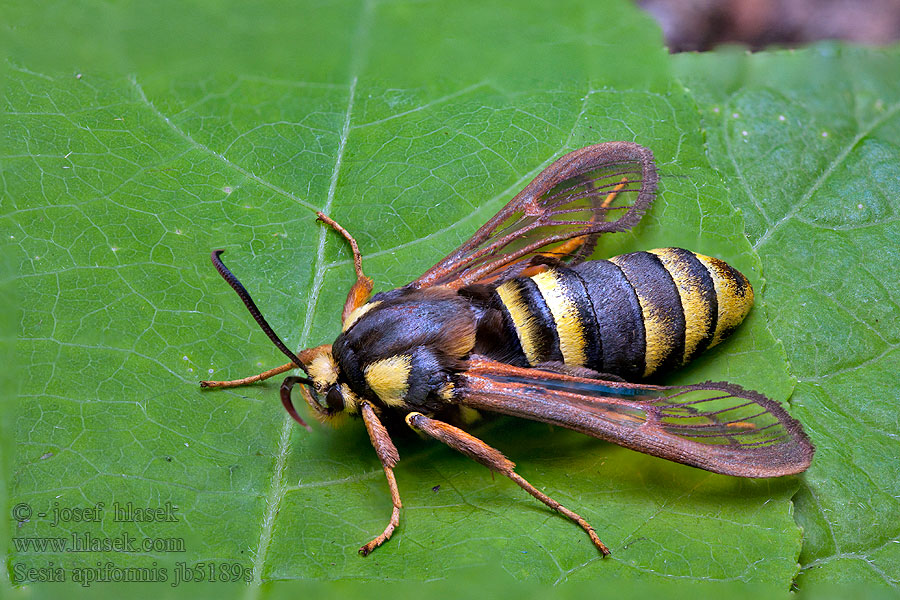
698 25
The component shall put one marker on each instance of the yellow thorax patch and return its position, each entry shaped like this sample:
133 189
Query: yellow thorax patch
389 378
354 316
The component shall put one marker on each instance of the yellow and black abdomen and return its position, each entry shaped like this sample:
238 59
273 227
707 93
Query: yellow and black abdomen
634 315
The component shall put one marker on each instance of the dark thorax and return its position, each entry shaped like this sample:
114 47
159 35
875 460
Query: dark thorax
405 346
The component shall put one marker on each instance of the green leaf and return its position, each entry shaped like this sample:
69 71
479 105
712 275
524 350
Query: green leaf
411 124
810 142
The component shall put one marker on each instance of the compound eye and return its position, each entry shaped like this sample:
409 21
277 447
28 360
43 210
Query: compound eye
334 399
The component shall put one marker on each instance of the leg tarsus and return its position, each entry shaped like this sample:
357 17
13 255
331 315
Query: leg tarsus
395 516
362 289
248 380
304 356
357 258
493 459
387 454
522 483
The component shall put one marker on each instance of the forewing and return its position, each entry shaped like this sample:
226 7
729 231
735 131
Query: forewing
598 189
719 427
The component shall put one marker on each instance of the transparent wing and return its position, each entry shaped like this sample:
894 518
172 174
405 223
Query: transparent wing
719 427
559 215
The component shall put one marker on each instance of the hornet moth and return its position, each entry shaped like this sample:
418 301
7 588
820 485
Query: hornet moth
519 321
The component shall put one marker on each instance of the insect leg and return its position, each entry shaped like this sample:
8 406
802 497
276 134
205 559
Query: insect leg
360 290
305 357
493 459
388 455
251 379
569 247
612 195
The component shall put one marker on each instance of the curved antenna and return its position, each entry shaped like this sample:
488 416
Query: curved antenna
251 306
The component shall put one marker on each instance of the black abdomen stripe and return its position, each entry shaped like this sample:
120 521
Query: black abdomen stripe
661 308
618 319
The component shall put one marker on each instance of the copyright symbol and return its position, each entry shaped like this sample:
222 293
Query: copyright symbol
21 512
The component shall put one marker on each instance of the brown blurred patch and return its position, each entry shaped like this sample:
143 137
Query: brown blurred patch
695 25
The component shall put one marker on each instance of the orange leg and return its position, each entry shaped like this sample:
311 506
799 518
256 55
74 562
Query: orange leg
248 380
494 460
570 246
305 357
388 455
362 289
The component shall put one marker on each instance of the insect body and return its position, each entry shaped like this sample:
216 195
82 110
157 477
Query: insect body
623 317
517 321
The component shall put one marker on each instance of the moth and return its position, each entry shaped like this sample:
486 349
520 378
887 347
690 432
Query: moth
518 321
